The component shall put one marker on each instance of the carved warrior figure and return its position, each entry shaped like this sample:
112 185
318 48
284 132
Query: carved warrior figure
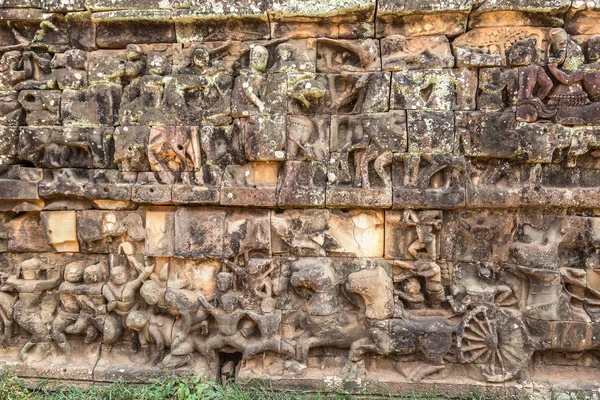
34 308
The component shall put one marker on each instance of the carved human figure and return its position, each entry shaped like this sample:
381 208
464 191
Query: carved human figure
259 57
173 302
174 149
346 55
153 330
227 317
14 68
120 291
257 283
143 99
68 307
567 97
33 281
287 59
411 292
591 80
430 270
268 321
533 84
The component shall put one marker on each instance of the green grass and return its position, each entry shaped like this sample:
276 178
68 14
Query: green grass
172 388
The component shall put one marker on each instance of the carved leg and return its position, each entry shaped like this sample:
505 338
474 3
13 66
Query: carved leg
424 371
382 161
360 347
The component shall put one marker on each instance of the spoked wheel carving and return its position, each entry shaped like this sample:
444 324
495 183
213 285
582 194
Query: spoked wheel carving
495 340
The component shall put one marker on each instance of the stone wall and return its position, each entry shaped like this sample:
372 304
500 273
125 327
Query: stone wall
401 194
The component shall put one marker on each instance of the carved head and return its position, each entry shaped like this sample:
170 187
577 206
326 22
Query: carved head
315 274
224 281
93 273
137 320
593 48
522 53
75 59
411 286
151 292
109 223
259 56
10 60
157 64
30 269
201 57
285 52
229 302
133 52
74 272
119 275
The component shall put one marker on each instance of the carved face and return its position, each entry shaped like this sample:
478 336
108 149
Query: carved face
74 272
109 223
201 58
133 52
151 292
92 274
259 57
285 52
224 281
521 53
229 302
157 65
593 48
411 286
119 275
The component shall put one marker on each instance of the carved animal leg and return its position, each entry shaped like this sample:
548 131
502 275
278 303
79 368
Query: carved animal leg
382 161
303 347
360 347
369 156
424 371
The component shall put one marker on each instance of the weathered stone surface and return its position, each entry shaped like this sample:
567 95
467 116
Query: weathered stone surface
421 18
309 18
53 147
422 52
116 29
212 21
311 194
443 89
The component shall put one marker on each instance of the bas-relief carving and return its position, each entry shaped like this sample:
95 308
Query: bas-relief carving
418 205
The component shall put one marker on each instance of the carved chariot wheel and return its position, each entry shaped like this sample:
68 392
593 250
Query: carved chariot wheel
495 340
